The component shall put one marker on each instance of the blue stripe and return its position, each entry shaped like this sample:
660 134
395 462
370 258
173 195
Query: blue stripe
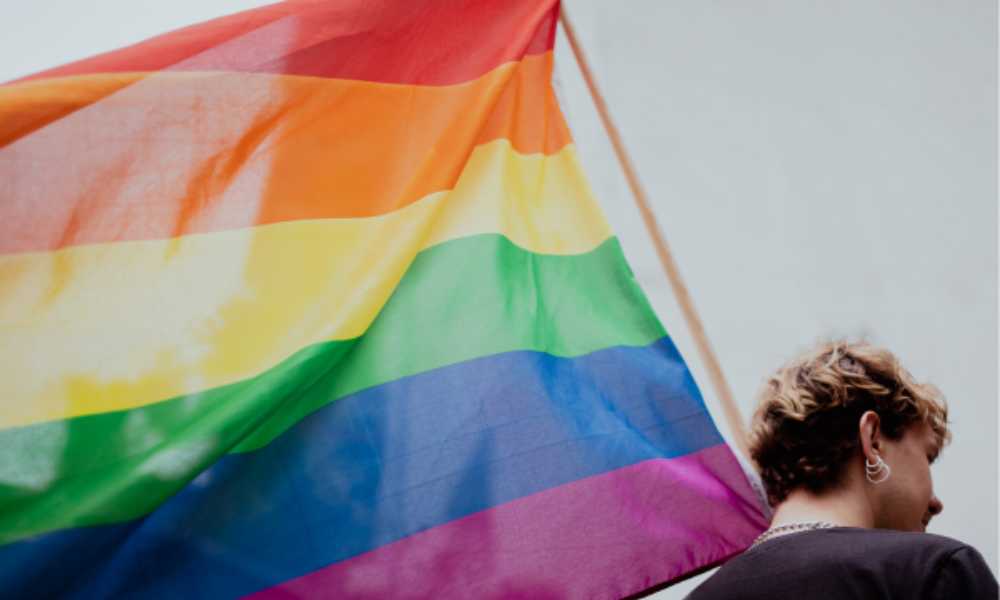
378 466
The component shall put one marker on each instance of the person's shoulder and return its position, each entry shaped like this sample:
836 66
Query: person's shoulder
963 573
937 565
894 536
819 554
891 539
925 548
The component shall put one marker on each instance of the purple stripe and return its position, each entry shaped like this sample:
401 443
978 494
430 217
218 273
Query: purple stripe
605 536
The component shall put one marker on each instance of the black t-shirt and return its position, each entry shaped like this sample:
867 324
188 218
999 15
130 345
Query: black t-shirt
843 563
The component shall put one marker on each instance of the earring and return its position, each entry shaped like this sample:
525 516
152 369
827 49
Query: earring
874 469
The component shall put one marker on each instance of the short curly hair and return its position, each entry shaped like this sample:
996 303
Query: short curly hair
805 428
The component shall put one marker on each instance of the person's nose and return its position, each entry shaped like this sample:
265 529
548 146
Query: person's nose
935 506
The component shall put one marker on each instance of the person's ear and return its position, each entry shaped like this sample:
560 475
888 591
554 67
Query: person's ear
870 435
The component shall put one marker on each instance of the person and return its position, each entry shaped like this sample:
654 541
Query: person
843 438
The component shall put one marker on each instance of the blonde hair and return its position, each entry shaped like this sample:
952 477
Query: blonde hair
805 428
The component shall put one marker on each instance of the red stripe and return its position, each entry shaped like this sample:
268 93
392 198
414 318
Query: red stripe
606 536
393 41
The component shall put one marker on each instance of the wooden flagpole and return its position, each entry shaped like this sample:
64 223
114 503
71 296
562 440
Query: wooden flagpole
730 410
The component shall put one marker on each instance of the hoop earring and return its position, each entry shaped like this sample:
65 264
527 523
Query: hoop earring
874 469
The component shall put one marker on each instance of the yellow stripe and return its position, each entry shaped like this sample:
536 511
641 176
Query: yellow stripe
91 329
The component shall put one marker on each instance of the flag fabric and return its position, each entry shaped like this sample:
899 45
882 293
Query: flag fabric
315 301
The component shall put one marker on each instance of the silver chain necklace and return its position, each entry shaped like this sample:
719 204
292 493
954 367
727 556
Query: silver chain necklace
803 526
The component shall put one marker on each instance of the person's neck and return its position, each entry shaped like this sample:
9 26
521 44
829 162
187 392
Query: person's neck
841 507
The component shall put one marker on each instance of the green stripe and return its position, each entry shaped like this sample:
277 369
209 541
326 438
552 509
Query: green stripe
460 300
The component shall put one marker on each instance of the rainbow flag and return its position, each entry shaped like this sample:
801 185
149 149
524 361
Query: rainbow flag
315 301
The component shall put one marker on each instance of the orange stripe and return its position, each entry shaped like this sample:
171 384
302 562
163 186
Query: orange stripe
30 106
172 153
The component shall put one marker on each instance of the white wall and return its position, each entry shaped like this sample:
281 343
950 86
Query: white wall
818 168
